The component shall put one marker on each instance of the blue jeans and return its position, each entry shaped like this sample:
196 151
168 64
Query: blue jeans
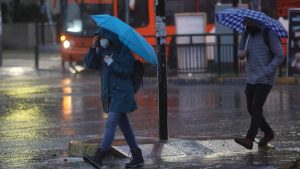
113 120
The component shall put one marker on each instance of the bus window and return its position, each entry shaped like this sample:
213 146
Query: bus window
78 21
138 12
177 6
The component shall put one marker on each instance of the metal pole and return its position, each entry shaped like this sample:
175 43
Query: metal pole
43 11
127 19
162 69
235 54
235 45
0 36
219 54
36 47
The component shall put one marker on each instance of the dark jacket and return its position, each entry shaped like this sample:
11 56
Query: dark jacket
117 91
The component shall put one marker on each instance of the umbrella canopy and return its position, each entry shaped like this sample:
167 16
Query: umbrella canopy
234 19
128 36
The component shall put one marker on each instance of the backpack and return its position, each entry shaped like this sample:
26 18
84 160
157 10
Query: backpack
266 40
138 75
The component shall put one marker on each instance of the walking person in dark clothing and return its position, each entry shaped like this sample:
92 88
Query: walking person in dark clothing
116 64
262 62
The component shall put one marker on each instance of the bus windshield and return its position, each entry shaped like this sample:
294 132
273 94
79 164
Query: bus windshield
77 19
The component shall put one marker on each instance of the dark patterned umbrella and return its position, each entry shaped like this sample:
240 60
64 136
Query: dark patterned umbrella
234 19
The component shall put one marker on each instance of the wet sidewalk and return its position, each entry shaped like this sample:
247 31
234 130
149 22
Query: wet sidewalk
180 153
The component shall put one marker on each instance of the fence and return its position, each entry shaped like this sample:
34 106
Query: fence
202 53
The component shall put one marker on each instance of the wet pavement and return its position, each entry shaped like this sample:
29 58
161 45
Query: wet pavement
41 111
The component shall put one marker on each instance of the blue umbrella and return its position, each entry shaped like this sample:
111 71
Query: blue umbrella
128 36
234 19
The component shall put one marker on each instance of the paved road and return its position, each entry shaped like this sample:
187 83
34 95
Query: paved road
41 111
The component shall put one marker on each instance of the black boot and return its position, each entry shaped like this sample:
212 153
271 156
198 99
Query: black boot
245 142
137 159
267 138
96 160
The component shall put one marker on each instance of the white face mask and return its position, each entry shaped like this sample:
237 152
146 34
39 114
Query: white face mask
104 43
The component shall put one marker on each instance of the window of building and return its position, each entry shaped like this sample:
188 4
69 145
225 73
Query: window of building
139 12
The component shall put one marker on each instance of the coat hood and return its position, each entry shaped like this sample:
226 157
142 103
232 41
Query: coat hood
110 36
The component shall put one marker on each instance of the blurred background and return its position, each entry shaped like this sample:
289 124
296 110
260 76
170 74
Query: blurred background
64 27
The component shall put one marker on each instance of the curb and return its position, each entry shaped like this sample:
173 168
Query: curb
78 148
293 165
227 80
288 80
153 148
150 146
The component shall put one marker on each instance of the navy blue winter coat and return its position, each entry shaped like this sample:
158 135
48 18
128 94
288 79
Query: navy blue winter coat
117 90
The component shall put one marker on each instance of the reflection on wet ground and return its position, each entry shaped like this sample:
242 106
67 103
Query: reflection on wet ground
39 115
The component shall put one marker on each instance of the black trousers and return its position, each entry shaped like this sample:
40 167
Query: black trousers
256 95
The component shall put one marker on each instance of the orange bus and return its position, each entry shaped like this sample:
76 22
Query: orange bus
78 29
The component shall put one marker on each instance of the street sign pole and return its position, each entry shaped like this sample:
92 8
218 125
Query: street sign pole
162 69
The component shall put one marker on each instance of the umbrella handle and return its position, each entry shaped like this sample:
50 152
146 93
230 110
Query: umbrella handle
247 40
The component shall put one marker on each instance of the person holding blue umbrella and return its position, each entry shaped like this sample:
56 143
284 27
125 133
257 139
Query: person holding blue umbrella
260 45
116 65
128 36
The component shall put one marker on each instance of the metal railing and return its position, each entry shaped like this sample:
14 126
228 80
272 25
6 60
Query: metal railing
203 53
